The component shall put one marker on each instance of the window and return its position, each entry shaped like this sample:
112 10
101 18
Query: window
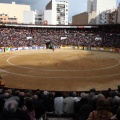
38 18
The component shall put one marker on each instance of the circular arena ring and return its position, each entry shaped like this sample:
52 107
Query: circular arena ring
61 70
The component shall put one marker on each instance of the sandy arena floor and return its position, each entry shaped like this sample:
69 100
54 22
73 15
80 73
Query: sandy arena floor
61 70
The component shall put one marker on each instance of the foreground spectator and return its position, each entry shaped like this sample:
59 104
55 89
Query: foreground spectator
12 112
9 110
117 116
68 104
30 108
101 112
58 103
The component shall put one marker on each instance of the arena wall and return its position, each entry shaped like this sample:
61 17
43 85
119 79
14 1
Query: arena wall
102 49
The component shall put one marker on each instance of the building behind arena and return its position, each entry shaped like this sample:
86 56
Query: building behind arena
98 12
56 13
101 7
11 13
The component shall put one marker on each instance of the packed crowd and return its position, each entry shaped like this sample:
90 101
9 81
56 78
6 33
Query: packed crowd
33 105
19 37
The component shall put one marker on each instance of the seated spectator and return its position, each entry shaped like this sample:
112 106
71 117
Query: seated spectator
50 102
9 110
101 112
39 107
58 103
117 116
68 104
30 108
84 106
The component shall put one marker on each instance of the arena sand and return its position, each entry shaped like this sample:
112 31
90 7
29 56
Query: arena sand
61 70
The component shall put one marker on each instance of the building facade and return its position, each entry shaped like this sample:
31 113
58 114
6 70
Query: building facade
92 18
113 16
56 13
39 16
80 19
118 18
13 11
4 18
101 7
29 17
84 18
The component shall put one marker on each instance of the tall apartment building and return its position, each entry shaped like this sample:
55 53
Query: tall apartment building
39 16
101 7
113 16
56 13
118 18
14 11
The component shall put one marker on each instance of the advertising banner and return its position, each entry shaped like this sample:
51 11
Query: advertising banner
101 49
85 48
95 48
20 48
70 47
34 47
12 49
38 47
80 48
25 48
29 48
117 50
88 48
107 49
7 49
64 47
113 49
41 47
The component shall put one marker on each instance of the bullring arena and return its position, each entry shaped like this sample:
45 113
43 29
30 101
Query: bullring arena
61 70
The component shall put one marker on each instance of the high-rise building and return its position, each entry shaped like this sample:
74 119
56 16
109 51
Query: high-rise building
89 6
39 17
118 18
101 8
56 13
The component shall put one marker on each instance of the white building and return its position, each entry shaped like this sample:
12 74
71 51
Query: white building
39 17
29 17
118 19
101 7
14 10
89 6
33 17
56 13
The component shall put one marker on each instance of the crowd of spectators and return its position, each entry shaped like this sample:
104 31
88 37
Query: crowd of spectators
100 37
16 104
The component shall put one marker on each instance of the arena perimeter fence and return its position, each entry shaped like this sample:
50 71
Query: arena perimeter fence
104 49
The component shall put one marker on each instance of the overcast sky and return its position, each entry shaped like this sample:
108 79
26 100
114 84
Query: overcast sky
75 6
